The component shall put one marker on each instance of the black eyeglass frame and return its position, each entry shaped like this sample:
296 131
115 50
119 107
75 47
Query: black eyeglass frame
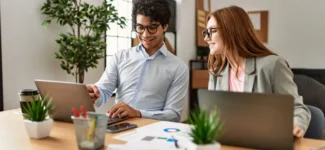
206 32
146 28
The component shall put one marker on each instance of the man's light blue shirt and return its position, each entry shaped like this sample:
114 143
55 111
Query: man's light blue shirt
154 85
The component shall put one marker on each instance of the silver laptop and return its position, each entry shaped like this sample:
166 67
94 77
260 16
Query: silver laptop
65 96
262 121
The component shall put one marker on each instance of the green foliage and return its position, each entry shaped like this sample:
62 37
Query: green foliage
84 45
37 110
207 127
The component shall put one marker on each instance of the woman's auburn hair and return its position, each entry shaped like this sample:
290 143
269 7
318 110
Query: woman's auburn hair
237 32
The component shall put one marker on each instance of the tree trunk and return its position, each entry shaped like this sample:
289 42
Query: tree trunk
81 76
76 74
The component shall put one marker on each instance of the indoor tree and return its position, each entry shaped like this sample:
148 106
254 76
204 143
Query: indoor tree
82 47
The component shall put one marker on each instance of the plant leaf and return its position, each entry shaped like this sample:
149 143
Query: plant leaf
207 126
38 109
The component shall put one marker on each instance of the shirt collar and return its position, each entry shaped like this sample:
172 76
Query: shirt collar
163 49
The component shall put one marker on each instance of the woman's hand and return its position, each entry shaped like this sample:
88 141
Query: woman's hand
298 132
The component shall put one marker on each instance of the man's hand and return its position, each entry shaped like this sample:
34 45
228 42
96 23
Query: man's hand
122 109
93 92
298 132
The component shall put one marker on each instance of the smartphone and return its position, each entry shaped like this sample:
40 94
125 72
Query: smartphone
120 127
111 121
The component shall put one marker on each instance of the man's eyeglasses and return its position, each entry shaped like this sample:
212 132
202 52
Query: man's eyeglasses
209 32
152 29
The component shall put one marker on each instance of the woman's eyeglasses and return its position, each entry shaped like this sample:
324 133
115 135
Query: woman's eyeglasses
152 29
209 32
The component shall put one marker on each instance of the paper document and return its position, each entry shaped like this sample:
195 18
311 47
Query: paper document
130 136
143 145
165 127
162 133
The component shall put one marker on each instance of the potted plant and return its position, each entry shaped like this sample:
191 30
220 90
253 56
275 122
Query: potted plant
36 117
207 128
82 47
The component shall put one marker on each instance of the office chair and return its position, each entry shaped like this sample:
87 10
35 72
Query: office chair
313 94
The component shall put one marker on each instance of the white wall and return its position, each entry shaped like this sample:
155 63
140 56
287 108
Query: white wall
28 50
296 28
186 47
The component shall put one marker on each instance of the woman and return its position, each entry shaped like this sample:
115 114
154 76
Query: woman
239 62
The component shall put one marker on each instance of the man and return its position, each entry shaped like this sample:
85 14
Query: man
151 82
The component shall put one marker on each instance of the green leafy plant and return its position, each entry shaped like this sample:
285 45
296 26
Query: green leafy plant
38 109
207 127
82 47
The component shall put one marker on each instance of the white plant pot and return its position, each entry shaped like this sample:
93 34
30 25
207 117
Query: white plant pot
38 130
213 146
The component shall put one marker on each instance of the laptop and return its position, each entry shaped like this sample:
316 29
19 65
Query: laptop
67 95
253 120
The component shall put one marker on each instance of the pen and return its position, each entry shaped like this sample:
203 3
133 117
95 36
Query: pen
319 147
83 111
92 129
176 142
75 111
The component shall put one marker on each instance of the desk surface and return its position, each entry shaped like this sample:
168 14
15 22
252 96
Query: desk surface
13 135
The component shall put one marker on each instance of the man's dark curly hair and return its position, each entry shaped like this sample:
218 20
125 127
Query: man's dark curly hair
156 10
